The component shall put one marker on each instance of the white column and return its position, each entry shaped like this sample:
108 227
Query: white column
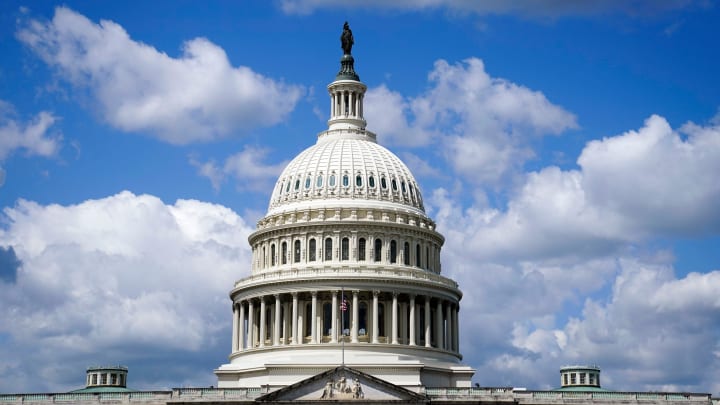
439 325
241 331
375 317
234 328
394 325
412 321
427 322
355 320
276 332
448 327
263 333
334 323
295 330
251 324
313 319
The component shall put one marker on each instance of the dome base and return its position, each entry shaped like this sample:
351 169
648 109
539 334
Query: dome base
280 368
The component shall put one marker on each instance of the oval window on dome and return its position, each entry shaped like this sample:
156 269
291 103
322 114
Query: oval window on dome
358 180
394 184
297 184
346 180
319 181
308 181
383 183
287 188
371 181
331 181
412 191
402 185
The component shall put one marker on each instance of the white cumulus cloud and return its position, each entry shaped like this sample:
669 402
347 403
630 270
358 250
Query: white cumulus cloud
198 96
247 167
113 279
482 124
32 137
567 273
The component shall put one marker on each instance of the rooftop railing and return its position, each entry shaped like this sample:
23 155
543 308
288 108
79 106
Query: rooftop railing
498 394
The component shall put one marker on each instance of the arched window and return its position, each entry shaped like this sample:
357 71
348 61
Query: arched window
345 180
406 254
417 255
393 251
272 254
402 185
287 188
283 251
371 181
345 249
297 184
328 249
378 250
296 259
312 252
394 184
383 183
319 181
361 249
331 181
358 180
308 181
264 260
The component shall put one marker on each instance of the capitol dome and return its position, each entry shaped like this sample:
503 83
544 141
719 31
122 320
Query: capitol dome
346 268
347 168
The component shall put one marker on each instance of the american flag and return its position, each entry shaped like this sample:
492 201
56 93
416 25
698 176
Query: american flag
344 305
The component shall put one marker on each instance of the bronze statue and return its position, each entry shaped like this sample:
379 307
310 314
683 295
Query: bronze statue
346 39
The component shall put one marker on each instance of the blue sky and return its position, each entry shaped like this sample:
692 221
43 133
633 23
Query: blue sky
568 151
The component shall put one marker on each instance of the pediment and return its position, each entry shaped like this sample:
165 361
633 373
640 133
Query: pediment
343 384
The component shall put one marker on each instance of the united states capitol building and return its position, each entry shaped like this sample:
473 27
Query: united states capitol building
346 301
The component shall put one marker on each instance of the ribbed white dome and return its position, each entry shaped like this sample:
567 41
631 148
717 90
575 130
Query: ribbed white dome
345 166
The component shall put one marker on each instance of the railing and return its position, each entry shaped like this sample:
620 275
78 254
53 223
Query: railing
213 394
186 394
503 393
350 273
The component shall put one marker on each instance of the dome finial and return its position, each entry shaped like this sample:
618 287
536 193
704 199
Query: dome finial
347 62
